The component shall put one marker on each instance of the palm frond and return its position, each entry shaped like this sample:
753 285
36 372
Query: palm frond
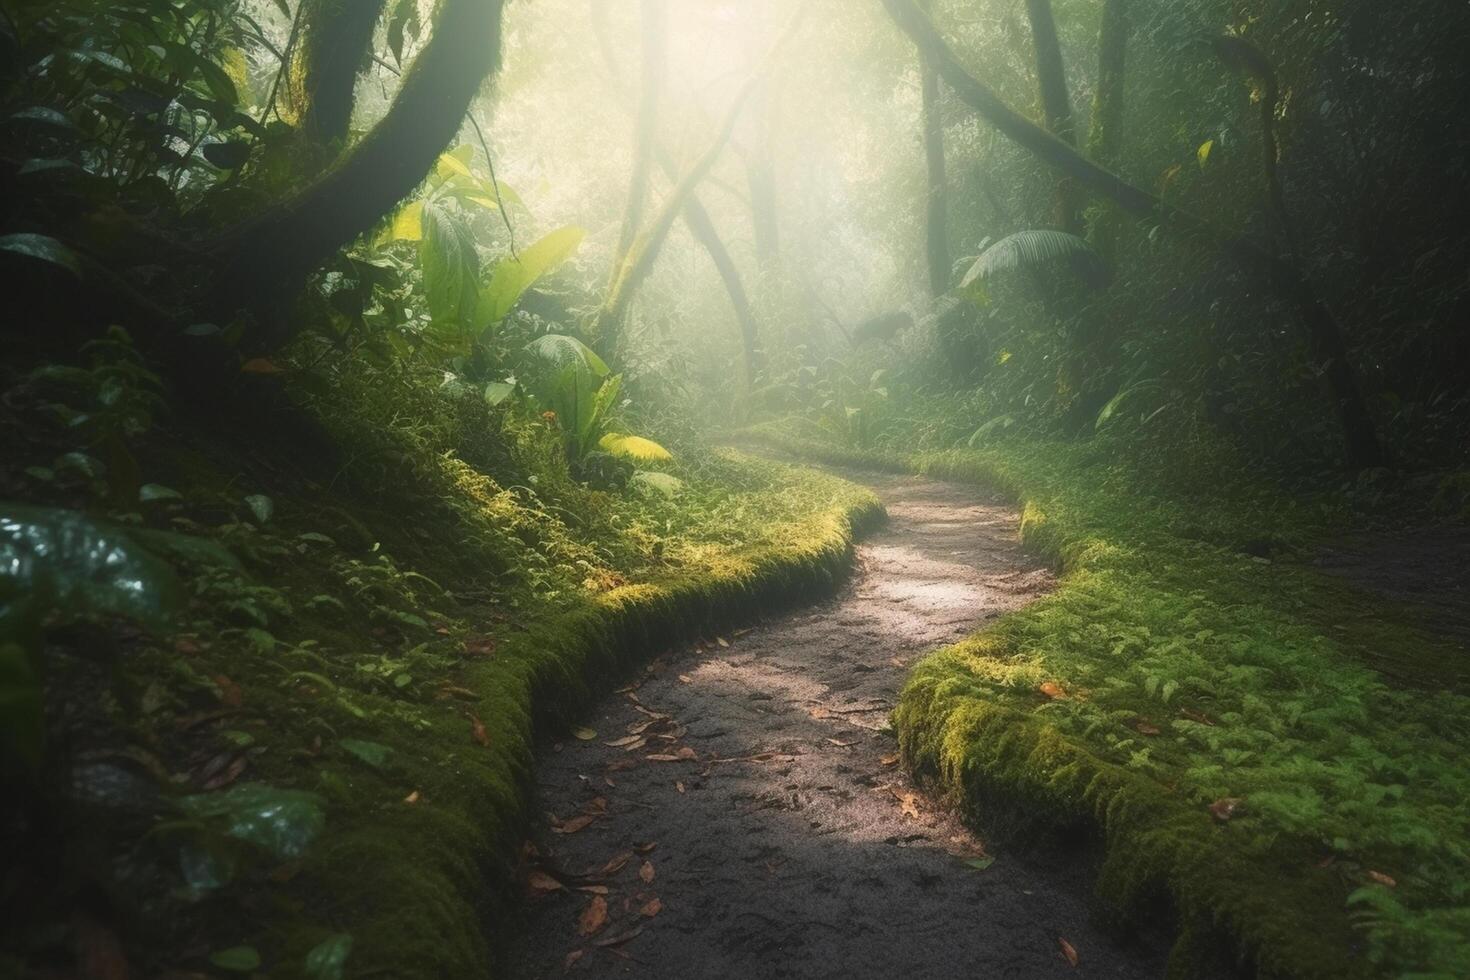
1034 247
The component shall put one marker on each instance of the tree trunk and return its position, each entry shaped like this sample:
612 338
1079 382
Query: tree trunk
1323 332
700 225
335 47
936 225
1056 103
655 31
265 259
1105 139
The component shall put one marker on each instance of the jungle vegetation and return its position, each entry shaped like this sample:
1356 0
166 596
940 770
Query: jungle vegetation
369 368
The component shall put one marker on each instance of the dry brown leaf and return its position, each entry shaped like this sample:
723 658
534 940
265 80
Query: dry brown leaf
896 661
1068 950
662 758
477 730
646 872
572 958
909 804
616 863
1226 807
1196 717
618 765
819 712
618 743
229 691
540 883
413 797
1144 728
686 753
575 824
188 646
1383 879
598 804
679 786
593 889
844 745
593 917
651 908
479 646
685 679
1052 690
889 760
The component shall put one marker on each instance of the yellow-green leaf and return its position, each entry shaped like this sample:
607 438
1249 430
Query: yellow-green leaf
1204 152
635 448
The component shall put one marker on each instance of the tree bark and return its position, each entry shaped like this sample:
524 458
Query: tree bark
1056 103
936 223
696 218
335 48
265 259
1105 139
1284 278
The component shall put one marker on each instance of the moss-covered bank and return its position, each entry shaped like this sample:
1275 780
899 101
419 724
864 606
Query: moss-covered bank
1207 703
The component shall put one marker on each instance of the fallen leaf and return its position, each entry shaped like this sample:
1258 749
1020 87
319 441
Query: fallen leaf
909 804
572 958
662 758
477 729
1383 879
651 908
479 646
618 765
844 745
540 883
1144 728
593 889
413 797
616 863
584 734
260 365
679 787
686 753
1068 950
1226 807
980 863
1052 690
895 661
620 938
1196 716
229 691
575 824
609 782
593 917
228 774
646 872
618 743
889 760
450 690
685 679
645 848
721 641
188 646
596 805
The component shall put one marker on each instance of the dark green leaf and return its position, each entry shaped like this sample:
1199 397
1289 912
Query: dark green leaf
44 248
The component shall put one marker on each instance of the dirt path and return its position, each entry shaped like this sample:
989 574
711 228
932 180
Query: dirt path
789 845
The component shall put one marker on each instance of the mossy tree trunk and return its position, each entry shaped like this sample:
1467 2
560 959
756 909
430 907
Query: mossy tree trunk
1056 103
334 49
1283 277
1105 138
264 260
936 212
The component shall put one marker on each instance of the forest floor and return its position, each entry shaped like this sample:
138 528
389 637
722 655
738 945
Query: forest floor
740 812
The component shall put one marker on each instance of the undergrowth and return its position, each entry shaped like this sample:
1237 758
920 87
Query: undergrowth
1199 693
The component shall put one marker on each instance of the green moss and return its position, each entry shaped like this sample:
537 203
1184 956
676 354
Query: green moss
1195 671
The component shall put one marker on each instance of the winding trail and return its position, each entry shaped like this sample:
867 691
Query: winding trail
790 845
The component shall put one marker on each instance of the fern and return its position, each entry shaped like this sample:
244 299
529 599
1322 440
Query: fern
1035 247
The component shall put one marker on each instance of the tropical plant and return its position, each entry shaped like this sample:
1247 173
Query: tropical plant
1032 249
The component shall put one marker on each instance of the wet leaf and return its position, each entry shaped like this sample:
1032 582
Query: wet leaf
282 821
616 863
1068 951
593 917
686 753
646 872
651 908
479 646
373 753
721 641
477 730
1226 807
229 692
584 734
645 848
820 712
662 757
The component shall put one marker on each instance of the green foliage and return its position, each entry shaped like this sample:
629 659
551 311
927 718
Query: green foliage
514 275
451 265
1030 249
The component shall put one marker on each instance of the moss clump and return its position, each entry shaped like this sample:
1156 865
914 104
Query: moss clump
1193 672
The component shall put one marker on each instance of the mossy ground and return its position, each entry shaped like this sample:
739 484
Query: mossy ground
1191 658
423 593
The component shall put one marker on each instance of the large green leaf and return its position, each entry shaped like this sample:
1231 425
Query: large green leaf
43 248
282 822
451 268
556 350
513 276
1027 249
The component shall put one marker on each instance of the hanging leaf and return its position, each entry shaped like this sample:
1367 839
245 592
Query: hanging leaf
513 276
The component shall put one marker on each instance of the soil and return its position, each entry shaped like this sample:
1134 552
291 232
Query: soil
786 841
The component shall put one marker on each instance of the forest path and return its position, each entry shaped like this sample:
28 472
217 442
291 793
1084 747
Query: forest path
789 844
